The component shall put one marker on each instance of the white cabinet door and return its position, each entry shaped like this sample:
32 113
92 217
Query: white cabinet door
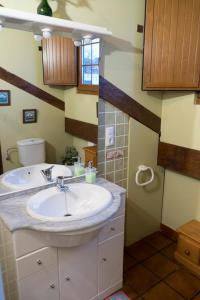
110 262
78 272
41 285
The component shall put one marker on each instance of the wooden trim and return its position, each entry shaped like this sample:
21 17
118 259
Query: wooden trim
83 130
116 97
169 232
1 162
31 89
180 159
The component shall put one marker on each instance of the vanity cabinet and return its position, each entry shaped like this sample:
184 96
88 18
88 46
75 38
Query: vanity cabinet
91 271
59 61
172 45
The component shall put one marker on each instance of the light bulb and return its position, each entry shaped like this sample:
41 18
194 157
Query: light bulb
47 33
77 43
37 37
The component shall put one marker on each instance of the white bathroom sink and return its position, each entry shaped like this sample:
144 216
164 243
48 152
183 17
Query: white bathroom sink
80 201
74 217
29 177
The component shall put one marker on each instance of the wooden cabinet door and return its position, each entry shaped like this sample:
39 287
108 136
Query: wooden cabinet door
78 272
59 61
172 45
110 262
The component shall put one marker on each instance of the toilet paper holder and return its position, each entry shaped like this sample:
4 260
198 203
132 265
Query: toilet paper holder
143 168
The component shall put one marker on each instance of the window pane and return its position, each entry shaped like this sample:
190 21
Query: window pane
95 75
95 54
87 55
86 75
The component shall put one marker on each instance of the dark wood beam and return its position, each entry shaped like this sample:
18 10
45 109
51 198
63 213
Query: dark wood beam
83 130
116 97
31 89
179 159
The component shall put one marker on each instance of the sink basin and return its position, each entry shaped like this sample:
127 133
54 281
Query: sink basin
29 177
72 217
82 200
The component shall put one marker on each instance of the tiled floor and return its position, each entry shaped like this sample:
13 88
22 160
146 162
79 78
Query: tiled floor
151 273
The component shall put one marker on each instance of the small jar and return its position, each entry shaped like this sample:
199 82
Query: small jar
90 175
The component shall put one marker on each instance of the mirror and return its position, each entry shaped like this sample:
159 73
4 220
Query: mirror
36 110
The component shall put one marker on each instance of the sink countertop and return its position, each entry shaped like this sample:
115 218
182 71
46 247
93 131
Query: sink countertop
14 215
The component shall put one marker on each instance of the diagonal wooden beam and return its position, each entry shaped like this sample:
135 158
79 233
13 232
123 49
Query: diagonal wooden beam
116 97
83 130
31 89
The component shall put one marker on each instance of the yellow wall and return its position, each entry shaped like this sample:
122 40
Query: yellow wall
180 126
121 64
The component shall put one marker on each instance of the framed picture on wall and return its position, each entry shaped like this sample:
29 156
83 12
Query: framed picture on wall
29 116
4 98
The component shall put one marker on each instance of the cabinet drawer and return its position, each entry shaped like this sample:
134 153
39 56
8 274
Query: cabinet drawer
36 261
188 249
42 285
113 227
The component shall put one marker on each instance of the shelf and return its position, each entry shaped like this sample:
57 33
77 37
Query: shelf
15 19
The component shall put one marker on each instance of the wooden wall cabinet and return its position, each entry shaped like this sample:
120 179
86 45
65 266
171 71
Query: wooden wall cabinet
172 45
59 61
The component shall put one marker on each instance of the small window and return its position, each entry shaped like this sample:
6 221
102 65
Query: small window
89 66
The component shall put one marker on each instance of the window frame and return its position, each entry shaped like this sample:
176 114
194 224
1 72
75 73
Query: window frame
86 88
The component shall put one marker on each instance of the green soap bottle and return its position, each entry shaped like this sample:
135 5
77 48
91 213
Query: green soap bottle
44 9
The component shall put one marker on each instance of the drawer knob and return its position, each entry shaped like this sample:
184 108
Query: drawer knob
187 252
67 278
112 228
52 286
39 262
104 259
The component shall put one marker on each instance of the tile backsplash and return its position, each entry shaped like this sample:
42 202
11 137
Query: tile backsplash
113 160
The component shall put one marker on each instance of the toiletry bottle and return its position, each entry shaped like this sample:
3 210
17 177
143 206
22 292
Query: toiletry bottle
90 174
79 168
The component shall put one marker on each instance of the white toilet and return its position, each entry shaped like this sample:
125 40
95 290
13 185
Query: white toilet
31 151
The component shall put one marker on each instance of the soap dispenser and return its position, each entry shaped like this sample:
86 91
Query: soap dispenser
79 167
90 174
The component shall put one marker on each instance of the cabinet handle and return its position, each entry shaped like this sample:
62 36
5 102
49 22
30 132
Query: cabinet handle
52 286
104 259
67 278
187 252
112 228
39 262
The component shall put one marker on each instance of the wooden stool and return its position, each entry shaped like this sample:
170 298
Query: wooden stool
188 247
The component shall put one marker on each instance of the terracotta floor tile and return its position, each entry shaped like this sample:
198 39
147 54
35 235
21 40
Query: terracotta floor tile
160 265
197 297
169 251
184 282
140 279
129 262
162 292
141 251
129 292
158 240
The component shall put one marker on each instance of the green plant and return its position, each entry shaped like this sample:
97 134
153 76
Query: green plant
70 156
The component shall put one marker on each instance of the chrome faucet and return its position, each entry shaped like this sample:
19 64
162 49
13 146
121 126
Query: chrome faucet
60 183
47 173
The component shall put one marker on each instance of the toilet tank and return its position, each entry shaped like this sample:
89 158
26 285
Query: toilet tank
31 151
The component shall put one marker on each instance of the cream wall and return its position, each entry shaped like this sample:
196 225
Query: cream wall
180 126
